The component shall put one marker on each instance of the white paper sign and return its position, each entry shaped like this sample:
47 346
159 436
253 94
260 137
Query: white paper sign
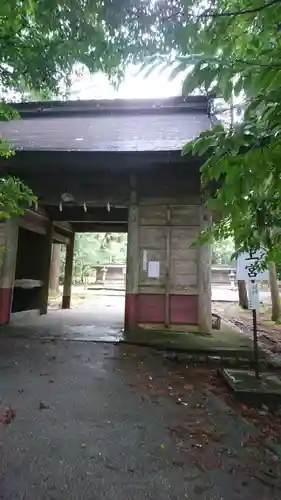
144 260
246 269
154 269
254 302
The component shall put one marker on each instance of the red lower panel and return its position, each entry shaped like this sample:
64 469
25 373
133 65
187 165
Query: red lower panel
184 309
131 311
151 308
6 295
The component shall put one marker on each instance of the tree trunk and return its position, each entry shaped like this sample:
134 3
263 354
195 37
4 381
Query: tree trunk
275 298
242 288
55 269
243 295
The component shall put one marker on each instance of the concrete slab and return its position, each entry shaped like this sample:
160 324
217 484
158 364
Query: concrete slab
247 388
226 338
101 319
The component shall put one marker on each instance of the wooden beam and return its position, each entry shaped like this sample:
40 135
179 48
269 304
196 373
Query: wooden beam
55 269
204 279
88 227
60 238
132 278
46 263
168 268
66 299
8 259
93 214
33 221
30 226
92 160
63 226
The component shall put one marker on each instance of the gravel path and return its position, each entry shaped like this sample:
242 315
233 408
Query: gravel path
86 421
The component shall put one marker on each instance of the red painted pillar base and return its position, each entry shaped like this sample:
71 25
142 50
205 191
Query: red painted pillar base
6 295
131 312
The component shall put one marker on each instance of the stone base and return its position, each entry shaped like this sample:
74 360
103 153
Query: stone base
250 390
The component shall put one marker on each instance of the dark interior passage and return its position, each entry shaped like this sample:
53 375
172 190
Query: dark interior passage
29 271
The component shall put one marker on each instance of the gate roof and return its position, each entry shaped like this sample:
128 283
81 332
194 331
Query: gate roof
108 125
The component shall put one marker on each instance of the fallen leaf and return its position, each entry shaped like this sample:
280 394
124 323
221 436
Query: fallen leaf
42 406
251 441
181 402
271 481
8 416
188 387
177 463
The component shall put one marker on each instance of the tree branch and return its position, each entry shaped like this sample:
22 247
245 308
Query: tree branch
245 62
210 13
259 64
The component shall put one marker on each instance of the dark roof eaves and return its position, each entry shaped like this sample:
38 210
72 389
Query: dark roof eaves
191 104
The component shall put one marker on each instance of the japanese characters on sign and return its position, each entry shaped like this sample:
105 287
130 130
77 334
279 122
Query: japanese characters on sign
254 302
247 267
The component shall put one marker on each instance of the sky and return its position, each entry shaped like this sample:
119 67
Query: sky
134 85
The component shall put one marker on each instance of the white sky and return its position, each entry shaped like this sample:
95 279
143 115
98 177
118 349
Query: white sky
134 85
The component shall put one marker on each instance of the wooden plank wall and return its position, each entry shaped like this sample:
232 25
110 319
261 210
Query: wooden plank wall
167 233
8 253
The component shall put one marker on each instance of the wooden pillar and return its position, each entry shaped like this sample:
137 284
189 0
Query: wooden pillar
55 269
204 279
68 273
8 258
132 278
46 268
168 268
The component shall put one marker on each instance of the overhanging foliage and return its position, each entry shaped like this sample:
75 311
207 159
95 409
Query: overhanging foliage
42 41
233 48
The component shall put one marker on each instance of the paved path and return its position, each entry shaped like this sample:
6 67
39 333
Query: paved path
101 318
102 421
98 317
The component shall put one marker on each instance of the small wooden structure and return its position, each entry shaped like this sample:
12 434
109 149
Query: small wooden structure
113 166
223 274
110 273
